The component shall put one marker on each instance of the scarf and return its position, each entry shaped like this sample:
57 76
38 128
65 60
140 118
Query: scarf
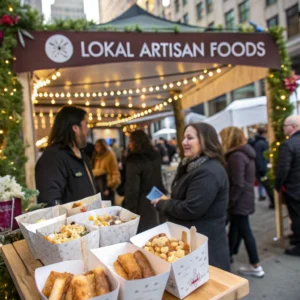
188 165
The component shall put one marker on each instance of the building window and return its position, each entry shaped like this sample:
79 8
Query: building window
244 92
272 21
184 2
270 2
209 6
292 20
216 105
199 9
186 18
229 19
244 11
157 3
177 5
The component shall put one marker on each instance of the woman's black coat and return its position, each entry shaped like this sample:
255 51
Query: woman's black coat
199 198
143 171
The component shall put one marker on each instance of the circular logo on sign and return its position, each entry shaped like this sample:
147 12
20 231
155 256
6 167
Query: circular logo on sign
59 48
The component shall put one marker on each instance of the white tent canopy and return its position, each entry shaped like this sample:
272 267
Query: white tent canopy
165 131
241 113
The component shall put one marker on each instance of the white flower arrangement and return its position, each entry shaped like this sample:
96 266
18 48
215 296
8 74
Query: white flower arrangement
9 188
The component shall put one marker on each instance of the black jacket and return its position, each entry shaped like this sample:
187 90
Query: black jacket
62 176
241 172
199 198
142 173
288 167
260 146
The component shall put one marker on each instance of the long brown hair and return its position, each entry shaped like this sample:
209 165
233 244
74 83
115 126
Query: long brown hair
141 142
232 138
62 132
209 141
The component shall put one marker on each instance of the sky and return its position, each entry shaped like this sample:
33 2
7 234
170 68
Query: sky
90 8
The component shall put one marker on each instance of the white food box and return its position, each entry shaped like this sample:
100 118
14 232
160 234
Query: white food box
88 203
114 234
106 203
151 288
76 267
28 224
50 253
189 272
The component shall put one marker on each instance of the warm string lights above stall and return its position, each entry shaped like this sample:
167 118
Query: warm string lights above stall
42 83
157 107
171 85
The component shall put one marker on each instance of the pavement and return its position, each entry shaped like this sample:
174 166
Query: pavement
282 272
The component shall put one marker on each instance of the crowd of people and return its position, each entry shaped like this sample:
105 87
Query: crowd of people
213 187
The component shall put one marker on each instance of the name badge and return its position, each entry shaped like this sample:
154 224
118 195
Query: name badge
78 174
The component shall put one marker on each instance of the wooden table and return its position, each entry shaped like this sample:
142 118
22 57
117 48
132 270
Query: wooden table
21 266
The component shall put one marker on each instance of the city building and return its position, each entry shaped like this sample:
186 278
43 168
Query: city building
109 9
36 4
66 9
231 13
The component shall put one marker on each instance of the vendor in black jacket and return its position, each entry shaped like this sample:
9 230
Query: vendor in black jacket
63 173
288 176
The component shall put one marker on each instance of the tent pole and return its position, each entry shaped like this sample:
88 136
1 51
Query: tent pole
28 130
179 122
277 198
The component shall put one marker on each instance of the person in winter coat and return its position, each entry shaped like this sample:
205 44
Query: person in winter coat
200 191
240 158
105 170
63 173
260 146
288 177
143 171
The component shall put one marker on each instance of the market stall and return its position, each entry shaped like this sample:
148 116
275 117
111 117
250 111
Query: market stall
120 76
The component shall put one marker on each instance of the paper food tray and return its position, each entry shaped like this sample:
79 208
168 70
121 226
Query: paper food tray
88 203
28 224
189 272
151 288
114 234
76 267
50 253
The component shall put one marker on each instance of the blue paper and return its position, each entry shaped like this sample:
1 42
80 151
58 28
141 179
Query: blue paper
154 194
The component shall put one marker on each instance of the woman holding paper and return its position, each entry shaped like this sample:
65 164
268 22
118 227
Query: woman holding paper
143 171
200 191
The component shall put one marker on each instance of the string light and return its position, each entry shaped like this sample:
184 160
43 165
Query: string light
70 102
87 103
102 103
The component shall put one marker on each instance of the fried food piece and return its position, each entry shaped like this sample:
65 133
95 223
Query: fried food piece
91 285
130 266
120 270
69 294
51 279
101 280
80 288
58 289
144 264
76 204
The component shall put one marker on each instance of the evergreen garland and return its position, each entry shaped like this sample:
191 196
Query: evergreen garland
279 96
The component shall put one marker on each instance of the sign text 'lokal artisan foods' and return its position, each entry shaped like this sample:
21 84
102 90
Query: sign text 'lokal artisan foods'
72 49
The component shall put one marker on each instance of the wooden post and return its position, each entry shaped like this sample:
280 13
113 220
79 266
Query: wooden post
179 122
277 198
28 130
